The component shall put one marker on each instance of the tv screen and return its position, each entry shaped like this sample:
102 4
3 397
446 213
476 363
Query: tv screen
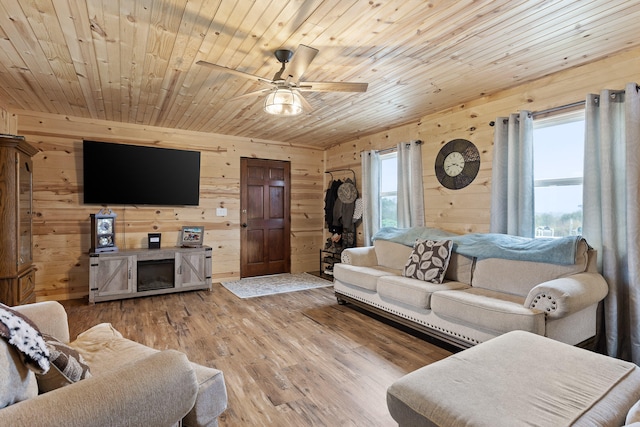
137 175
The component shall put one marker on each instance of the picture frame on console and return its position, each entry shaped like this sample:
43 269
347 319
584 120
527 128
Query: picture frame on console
192 236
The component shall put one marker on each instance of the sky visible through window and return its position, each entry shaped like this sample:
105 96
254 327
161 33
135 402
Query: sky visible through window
389 190
558 155
389 174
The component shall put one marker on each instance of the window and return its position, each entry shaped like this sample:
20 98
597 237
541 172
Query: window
558 162
388 190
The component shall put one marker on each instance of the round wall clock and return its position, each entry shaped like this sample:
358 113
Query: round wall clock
457 164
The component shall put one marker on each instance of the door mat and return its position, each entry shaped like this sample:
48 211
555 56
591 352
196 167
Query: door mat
250 287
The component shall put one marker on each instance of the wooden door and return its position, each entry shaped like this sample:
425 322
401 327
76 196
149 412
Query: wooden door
264 217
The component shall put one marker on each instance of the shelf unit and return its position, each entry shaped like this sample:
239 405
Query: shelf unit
328 258
128 273
17 271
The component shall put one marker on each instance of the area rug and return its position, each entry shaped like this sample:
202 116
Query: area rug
274 284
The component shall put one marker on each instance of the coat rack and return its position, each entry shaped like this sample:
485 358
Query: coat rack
330 254
330 172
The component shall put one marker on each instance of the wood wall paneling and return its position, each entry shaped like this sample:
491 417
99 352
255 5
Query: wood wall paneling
61 221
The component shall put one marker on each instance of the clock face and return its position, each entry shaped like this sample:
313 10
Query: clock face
457 164
105 241
453 164
105 225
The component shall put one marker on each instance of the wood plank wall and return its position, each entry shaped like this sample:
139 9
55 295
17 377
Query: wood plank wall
8 121
468 210
62 225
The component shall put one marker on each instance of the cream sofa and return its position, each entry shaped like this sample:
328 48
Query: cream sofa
131 384
480 298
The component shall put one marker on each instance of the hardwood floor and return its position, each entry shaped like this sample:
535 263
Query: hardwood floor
295 359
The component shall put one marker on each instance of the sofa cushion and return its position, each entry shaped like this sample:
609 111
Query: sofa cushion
412 292
394 256
391 255
17 382
67 366
363 277
105 350
428 260
489 310
460 268
519 277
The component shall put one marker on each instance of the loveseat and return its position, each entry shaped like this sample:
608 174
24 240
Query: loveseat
128 383
491 284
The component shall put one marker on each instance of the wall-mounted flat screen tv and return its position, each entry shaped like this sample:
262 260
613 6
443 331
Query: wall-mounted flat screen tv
140 175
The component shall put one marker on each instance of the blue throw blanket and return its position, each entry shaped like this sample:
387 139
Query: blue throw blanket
491 245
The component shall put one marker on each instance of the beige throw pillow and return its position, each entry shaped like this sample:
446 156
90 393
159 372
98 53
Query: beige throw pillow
429 260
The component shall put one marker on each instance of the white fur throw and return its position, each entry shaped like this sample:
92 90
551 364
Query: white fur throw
22 334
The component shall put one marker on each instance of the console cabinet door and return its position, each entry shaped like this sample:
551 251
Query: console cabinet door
111 275
191 269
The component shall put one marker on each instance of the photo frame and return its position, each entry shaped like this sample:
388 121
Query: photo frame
192 236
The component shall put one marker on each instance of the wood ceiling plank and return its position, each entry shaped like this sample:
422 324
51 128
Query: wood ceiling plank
13 82
164 27
75 26
242 47
215 41
190 81
37 73
99 42
46 27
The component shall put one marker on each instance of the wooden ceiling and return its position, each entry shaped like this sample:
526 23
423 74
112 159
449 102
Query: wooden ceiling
135 60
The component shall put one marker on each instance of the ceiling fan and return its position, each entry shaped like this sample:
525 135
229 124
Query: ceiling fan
283 97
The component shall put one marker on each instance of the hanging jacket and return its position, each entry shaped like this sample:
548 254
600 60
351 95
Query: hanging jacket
329 201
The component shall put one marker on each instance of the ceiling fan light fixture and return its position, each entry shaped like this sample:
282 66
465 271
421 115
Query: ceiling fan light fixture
283 102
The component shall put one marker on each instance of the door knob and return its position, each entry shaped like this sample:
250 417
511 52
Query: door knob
244 225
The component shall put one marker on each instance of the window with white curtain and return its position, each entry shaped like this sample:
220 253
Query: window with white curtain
388 190
558 163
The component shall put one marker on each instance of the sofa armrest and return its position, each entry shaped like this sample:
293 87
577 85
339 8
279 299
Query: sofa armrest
560 297
156 391
362 256
49 316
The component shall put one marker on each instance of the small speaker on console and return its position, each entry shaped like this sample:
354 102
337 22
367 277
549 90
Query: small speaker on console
154 240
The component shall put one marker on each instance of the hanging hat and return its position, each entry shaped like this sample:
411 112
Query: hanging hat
347 192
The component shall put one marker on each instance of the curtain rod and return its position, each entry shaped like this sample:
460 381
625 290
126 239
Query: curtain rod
560 108
392 149
548 110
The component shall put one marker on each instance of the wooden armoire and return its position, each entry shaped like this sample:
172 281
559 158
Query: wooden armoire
17 271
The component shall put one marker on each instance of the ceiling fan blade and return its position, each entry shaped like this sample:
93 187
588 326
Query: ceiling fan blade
305 104
234 72
251 94
332 87
300 61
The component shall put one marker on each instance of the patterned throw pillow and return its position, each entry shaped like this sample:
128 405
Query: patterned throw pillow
67 366
429 260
